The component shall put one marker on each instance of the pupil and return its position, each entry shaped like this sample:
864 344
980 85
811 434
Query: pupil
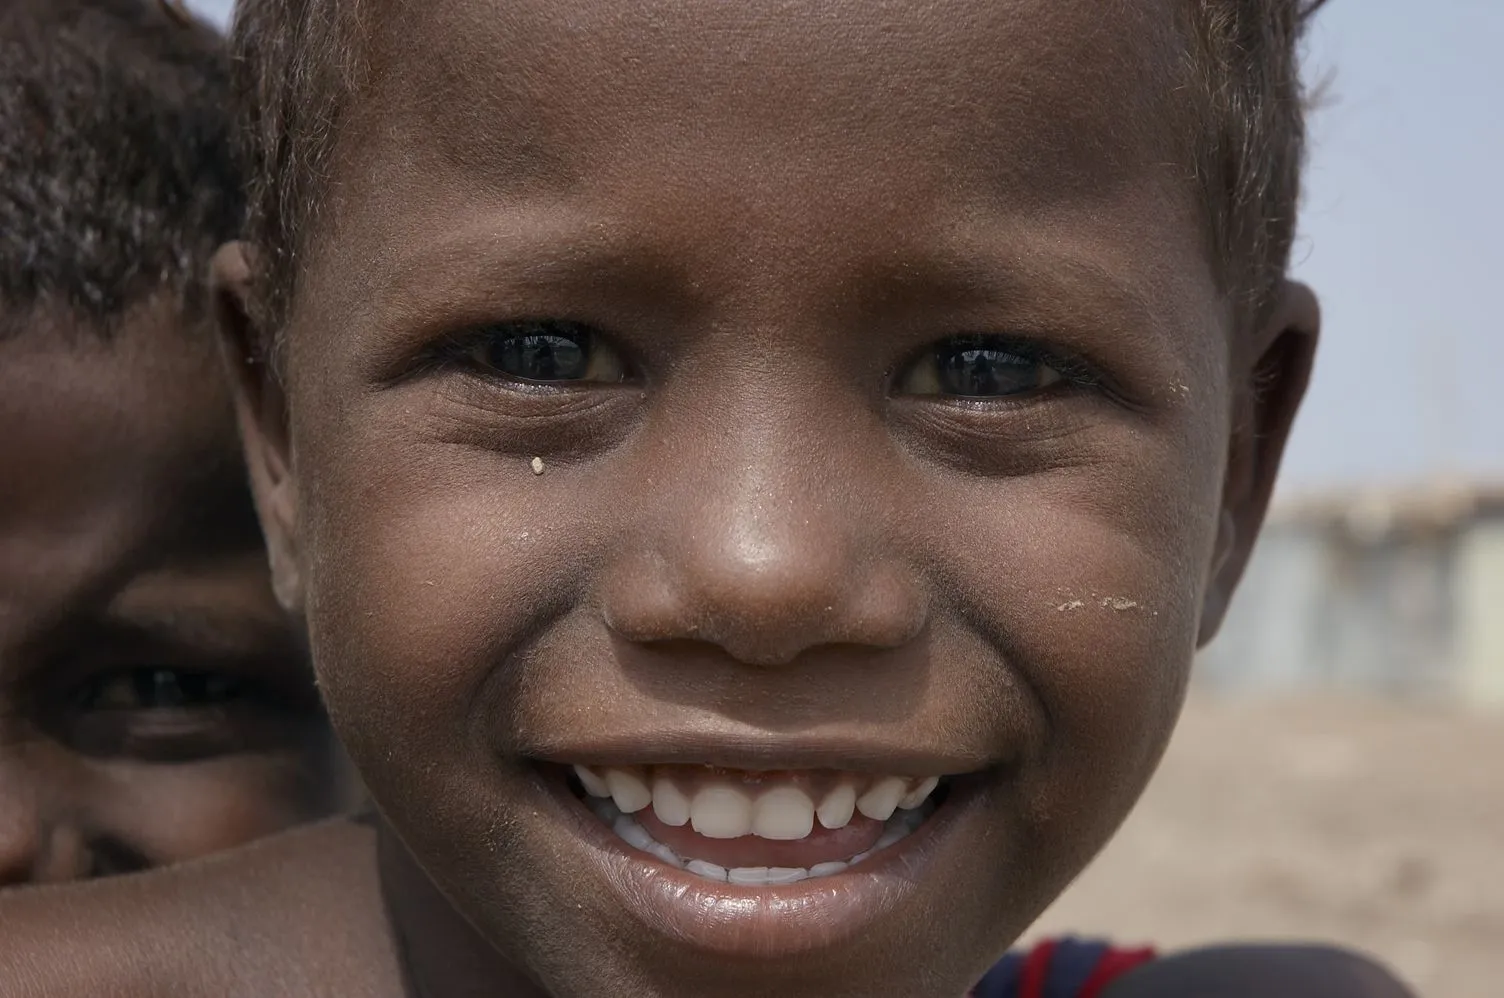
159 688
542 356
979 371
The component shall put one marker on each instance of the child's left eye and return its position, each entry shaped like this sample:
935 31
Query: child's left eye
546 351
976 367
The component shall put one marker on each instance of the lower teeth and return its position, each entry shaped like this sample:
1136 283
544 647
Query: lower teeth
630 831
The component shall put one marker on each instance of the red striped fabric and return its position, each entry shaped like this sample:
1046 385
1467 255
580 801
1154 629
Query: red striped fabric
1114 965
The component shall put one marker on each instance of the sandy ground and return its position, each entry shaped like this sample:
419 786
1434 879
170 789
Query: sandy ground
1380 826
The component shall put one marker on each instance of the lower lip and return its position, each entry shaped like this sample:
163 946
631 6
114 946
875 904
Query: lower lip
770 921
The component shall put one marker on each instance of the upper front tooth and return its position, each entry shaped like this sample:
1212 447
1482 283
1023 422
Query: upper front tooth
594 785
880 802
916 796
669 803
721 812
628 790
835 810
784 813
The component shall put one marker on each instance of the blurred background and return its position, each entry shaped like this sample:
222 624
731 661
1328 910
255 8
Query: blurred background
1339 774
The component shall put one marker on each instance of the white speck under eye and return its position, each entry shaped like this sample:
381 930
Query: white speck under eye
537 465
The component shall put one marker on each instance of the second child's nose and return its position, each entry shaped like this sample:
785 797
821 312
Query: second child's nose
36 847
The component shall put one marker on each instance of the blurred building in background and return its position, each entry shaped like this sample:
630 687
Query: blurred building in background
1396 593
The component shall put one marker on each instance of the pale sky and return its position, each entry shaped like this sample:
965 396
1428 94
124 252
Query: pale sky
1401 236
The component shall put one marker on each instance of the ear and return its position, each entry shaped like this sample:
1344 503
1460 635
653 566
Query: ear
1273 373
261 411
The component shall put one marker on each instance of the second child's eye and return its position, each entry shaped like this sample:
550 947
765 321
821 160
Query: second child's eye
546 351
160 689
976 367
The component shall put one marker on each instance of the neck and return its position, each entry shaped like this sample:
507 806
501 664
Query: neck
442 954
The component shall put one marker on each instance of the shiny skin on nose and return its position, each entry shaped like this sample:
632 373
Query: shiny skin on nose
766 560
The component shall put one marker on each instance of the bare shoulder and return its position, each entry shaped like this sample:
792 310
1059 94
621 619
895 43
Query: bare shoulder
1262 971
299 913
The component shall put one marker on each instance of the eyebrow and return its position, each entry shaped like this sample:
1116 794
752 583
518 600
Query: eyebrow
540 248
1044 278
525 249
188 610
217 634
1029 280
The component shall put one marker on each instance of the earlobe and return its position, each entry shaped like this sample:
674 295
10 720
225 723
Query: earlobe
261 413
1272 376
1218 592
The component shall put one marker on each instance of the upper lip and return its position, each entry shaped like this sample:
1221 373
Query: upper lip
761 753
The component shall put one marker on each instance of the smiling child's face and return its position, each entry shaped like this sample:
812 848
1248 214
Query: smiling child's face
750 404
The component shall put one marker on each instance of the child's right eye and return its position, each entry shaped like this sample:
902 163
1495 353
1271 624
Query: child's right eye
544 351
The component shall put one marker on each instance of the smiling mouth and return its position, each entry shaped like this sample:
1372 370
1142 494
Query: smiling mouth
757 829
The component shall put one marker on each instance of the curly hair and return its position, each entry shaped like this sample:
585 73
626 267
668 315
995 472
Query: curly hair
117 170
296 62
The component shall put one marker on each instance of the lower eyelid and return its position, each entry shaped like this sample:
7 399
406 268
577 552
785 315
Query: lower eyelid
482 413
1021 436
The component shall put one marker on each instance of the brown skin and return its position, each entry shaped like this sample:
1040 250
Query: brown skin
155 705
767 542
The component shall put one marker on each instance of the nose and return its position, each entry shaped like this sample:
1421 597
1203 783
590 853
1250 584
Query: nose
36 847
765 550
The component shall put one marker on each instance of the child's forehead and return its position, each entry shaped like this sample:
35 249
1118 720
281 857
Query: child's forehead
118 410
737 136
1070 88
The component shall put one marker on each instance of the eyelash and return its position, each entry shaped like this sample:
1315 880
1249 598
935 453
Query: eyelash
1076 372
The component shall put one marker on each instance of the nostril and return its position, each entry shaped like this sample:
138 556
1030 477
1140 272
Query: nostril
109 857
767 619
20 847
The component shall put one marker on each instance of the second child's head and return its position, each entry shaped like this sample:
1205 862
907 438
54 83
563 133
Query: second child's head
155 703
756 474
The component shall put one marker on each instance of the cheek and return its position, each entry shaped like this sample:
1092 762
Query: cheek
424 586
1091 596
174 813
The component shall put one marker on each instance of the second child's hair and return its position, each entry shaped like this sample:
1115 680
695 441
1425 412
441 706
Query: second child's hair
117 173
298 62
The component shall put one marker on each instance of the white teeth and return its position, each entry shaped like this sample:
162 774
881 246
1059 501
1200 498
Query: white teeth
918 795
881 801
594 785
761 876
708 870
837 807
889 837
628 790
669 803
634 833
720 812
666 854
783 813
639 838
748 875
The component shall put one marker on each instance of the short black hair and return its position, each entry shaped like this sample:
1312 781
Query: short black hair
117 171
